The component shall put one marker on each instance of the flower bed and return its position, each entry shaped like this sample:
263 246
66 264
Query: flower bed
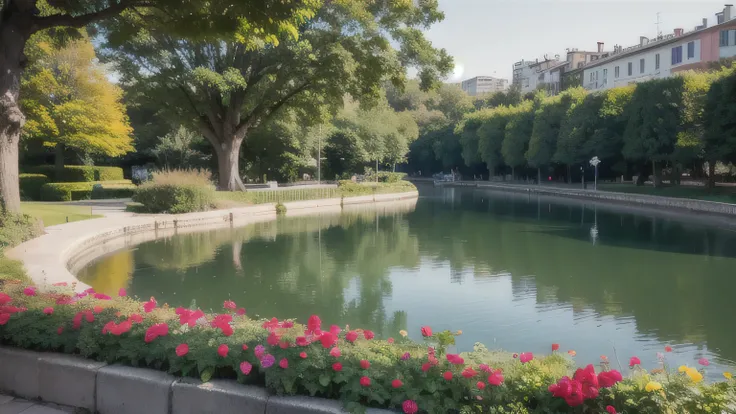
347 364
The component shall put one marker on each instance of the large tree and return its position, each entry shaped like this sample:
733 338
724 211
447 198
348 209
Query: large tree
20 19
516 134
719 138
226 88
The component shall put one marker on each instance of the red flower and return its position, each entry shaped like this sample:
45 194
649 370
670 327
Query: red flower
30 291
555 347
48 311
159 329
271 325
447 375
410 407
59 331
368 335
284 344
97 309
390 340
5 299
426 366
122 292
60 284
485 368
245 347
245 367
666 349
496 378
397 383
314 324
351 336
455 359
426 331
150 305
272 339
303 355
240 312
222 350
335 330
89 316
284 363
634 361
4 318
189 317
610 409
704 362
607 379
182 350
365 381
135 318
301 341
327 339
525 357
228 304
469 372
102 296
335 352
337 367
365 364
117 329
481 385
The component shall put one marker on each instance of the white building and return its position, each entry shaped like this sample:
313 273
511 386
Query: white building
531 74
484 84
664 55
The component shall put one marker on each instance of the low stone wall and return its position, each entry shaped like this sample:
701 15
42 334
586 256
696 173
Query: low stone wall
115 389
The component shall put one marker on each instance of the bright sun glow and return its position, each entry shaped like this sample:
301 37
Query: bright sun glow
457 73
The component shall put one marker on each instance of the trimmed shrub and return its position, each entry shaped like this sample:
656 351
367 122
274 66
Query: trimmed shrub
177 191
30 185
350 189
80 173
87 191
386 177
279 196
17 228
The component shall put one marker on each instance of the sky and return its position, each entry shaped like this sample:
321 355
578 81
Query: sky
486 37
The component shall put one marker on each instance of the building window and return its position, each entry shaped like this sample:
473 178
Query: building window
631 68
691 50
676 55
724 38
615 72
641 65
656 61
591 76
605 76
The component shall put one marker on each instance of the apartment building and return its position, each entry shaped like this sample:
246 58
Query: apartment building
530 75
548 75
664 55
484 84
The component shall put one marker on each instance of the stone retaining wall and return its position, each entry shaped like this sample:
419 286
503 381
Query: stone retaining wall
116 389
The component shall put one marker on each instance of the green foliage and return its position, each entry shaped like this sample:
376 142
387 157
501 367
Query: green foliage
87 190
516 135
386 177
176 192
547 122
79 173
30 185
278 196
491 134
348 188
577 128
719 112
177 149
17 228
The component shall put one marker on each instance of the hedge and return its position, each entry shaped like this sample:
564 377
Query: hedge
174 198
350 189
344 363
79 173
30 185
279 196
87 191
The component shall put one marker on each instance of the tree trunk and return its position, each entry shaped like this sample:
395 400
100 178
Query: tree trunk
59 160
14 32
228 157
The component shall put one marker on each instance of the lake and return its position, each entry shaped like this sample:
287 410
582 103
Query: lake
512 271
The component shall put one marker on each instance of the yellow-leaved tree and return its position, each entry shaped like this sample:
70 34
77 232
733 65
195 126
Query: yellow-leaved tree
69 102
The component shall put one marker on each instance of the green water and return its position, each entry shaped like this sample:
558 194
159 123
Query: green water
511 271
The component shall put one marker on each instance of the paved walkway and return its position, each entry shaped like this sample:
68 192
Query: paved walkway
12 405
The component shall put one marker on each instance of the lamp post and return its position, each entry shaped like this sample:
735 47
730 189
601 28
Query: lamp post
594 162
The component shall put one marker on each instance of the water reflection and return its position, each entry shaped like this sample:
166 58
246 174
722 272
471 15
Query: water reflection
514 271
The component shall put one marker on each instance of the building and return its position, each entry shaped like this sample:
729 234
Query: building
548 75
662 56
529 75
484 84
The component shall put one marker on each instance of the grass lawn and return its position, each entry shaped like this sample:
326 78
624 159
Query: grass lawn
55 213
718 194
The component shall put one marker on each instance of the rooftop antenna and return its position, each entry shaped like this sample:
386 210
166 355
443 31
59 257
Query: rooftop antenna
659 32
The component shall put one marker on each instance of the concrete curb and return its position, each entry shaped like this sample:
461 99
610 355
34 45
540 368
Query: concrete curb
115 389
48 259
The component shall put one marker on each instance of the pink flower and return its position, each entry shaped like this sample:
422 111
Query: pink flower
484 368
284 344
159 329
405 356
182 350
272 339
245 347
390 340
240 312
97 309
447 375
426 366
301 341
368 335
496 378
335 330
335 352
608 379
228 304
222 350
525 357
267 361
426 331
314 324
410 407
60 284
397 383
245 367
101 296
610 409
469 372
5 299
122 292
351 336
634 361
48 311
4 318
555 347
704 362
327 339
150 305
135 318
337 367
365 381
259 351
30 291
303 355
365 364
455 359
58 331
480 385
284 363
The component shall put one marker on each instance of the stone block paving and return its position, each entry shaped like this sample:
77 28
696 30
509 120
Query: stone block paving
14 405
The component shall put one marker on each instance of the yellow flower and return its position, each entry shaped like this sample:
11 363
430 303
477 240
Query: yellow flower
694 375
727 375
403 333
653 386
682 368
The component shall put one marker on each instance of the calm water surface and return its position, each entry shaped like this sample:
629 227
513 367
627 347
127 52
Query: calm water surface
512 271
